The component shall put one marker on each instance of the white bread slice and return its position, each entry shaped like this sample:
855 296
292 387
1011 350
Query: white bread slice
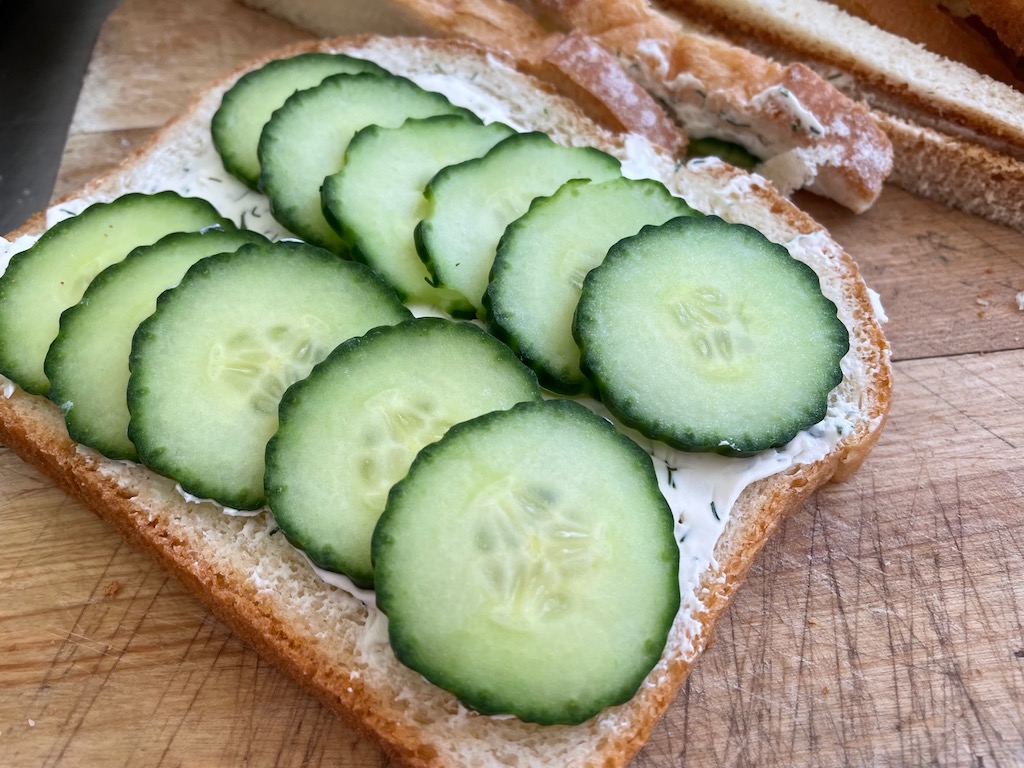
958 135
331 642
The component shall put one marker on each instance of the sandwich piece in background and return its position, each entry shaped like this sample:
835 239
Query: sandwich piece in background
958 134
573 64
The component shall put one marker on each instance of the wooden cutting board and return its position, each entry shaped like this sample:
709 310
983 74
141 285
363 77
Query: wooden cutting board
883 626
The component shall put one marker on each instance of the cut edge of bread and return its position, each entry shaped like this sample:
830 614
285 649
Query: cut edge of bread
327 640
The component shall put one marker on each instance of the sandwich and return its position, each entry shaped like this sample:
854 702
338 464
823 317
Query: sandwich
320 615
938 80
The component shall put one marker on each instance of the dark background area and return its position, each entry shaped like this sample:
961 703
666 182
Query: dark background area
44 51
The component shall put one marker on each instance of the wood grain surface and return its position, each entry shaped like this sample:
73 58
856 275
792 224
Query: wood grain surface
883 626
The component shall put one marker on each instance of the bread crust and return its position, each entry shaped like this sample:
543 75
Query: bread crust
259 586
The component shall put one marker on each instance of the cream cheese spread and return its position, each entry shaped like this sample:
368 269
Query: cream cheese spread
693 106
188 497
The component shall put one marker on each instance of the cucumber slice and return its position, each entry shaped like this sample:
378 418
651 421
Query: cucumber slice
729 151
305 141
527 564
470 204
208 368
40 283
376 200
541 262
350 430
87 363
248 105
708 336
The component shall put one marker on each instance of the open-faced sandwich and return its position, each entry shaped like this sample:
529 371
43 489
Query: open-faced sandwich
466 411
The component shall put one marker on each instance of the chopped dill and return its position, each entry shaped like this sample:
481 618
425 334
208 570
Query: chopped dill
726 118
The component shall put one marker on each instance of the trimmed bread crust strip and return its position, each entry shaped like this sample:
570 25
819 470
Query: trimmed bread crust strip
891 63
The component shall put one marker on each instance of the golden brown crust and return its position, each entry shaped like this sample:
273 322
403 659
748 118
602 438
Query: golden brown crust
146 511
587 73
985 183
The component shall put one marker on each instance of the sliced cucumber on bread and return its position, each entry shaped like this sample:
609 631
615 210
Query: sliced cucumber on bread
470 204
305 141
208 368
376 200
87 364
248 105
42 282
707 336
350 430
544 256
527 563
